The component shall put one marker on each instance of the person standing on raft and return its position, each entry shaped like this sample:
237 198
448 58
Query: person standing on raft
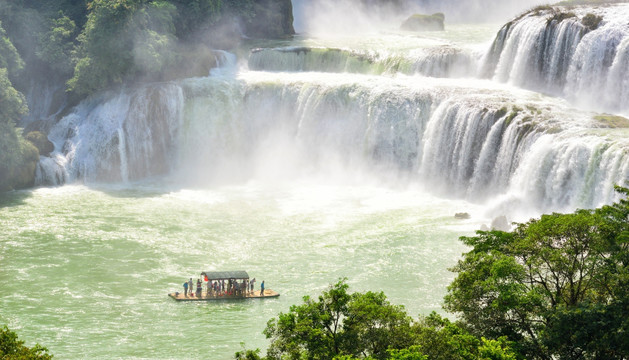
262 288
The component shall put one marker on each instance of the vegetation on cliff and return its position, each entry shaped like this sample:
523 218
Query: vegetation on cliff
18 157
100 44
556 287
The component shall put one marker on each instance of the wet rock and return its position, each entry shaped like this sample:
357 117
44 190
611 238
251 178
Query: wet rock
500 223
41 142
462 215
420 22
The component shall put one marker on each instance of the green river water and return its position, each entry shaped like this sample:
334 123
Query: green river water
86 270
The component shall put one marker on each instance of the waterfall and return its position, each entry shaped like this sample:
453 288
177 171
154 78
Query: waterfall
553 52
434 61
411 113
458 138
121 137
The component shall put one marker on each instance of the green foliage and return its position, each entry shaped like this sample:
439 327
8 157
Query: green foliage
13 104
339 324
154 40
535 284
16 154
18 157
106 46
560 16
9 57
101 44
413 352
495 350
11 348
9 155
247 354
344 326
591 21
312 329
55 46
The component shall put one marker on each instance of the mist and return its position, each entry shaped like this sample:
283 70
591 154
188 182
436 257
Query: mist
358 16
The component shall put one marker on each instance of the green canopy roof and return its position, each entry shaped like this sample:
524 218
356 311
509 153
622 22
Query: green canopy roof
222 275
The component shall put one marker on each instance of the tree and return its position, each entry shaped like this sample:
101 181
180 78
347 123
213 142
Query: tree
17 156
122 42
534 284
344 326
55 46
339 324
11 348
9 57
312 329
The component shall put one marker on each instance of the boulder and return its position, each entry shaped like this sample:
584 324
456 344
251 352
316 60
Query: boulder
41 142
500 223
420 22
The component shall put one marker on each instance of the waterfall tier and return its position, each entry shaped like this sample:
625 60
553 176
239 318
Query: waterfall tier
565 52
469 139
440 61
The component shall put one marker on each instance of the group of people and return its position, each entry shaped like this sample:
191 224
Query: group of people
215 288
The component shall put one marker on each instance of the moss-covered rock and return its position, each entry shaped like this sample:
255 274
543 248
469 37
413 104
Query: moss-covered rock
500 113
420 22
514 112
24 173
561 16
41 142
18 160
612 121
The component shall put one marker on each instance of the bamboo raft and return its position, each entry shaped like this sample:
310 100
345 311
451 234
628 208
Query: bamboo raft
234 293
268 293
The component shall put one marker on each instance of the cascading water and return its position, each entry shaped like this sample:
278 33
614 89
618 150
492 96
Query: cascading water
456 135
128 136
353 107
441 61
556 51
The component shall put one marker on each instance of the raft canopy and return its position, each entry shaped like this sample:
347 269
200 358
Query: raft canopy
225 275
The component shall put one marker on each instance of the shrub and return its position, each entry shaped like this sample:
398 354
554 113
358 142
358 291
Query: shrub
591 21
13 349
